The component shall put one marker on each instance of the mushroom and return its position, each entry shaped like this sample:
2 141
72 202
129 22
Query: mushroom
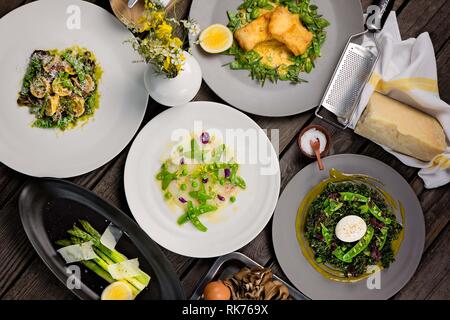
256 284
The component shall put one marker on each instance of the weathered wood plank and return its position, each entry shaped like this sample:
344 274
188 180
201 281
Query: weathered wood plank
422 16
432 273
38 276
443 62
436 207
10 182
375 151
15 250
442 290
8 6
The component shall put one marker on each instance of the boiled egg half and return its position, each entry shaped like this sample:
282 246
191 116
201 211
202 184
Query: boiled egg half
350 228
216 38
118 290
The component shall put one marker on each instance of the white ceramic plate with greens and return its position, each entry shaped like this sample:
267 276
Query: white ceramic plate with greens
236 223
47 25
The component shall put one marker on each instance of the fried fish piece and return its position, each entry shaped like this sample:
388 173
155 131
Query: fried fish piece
254 33
286 27
274 53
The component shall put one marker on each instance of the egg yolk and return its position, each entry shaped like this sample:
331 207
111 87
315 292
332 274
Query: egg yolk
215 38
117 291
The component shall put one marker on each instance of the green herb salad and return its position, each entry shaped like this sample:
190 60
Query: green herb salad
200 176
271 60
61 87
338 212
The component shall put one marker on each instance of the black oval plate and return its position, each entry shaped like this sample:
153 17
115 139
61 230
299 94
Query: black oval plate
49 207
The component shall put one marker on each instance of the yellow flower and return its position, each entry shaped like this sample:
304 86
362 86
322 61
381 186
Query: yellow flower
164 31
176 42
143 24
149 4
157 17
167 64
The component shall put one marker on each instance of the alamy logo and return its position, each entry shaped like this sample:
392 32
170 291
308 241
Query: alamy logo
74 278
374 280
373 17
73 21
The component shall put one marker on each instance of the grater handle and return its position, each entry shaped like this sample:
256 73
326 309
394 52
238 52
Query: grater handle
385 7
330 119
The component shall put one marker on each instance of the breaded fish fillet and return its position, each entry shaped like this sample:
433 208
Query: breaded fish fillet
286 27
253 33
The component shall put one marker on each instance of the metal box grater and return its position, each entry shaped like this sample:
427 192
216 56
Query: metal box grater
353 72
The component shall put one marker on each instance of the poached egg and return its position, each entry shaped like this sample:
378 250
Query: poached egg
350 228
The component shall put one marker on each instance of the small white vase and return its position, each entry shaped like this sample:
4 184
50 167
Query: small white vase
175 91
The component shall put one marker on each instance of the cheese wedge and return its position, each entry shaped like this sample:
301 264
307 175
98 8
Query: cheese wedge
402 128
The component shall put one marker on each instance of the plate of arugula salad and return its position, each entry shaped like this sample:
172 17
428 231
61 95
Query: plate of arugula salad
280 55
72 96
200 184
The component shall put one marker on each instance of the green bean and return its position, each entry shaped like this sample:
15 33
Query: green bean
326 234
377 213
382 239
192 213
218 152
350 196
238 181
201 196
339 253
200 226
360 246
332 206
254 14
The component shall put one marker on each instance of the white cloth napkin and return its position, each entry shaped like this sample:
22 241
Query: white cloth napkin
406 71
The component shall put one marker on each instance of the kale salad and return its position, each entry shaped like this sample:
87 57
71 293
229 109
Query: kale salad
322 228
60 88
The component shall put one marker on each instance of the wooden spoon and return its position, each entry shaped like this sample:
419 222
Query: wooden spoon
315 145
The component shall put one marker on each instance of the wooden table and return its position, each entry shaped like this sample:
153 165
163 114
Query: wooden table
24 276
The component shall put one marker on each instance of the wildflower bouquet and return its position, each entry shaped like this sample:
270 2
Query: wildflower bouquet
157 43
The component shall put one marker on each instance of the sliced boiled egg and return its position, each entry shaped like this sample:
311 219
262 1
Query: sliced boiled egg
350 228
118 290
216 38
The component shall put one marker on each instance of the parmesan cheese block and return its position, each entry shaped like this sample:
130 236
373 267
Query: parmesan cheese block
402 128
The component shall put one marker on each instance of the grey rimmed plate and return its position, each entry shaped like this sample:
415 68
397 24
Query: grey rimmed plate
299 270
283 98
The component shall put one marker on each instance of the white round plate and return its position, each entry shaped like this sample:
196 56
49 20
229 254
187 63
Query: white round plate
48 24
231 227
